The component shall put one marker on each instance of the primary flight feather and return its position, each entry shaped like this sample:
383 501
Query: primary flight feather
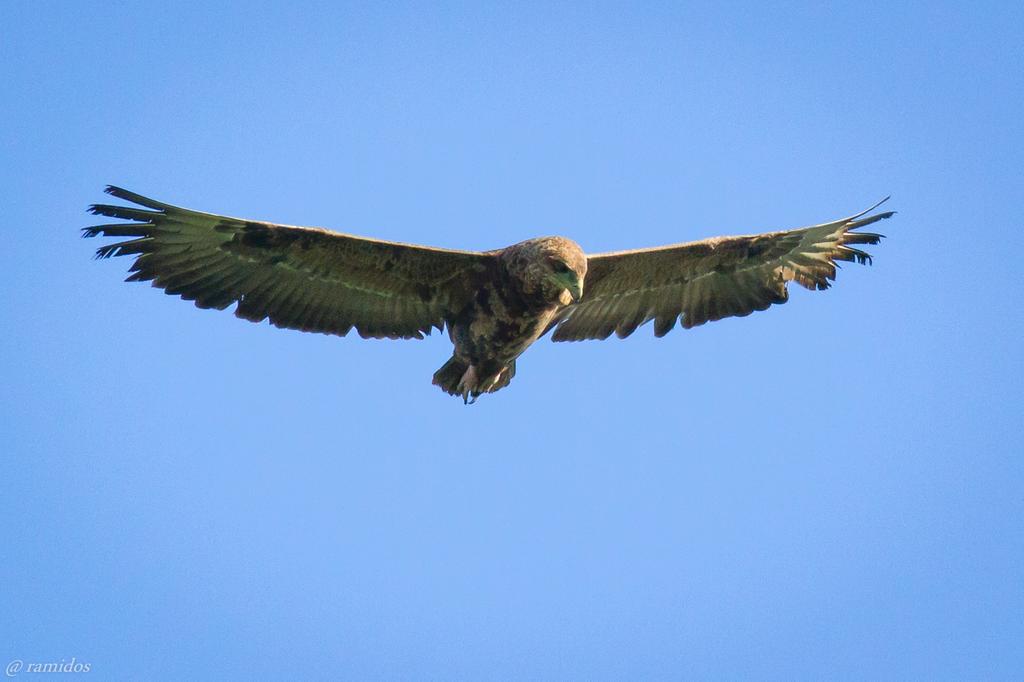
494 303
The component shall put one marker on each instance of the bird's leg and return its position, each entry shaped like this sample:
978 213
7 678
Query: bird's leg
471 386
468 384
489 384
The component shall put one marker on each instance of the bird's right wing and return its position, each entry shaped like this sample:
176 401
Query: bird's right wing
301 278
710 279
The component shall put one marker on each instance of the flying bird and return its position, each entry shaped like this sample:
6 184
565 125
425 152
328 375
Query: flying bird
493 303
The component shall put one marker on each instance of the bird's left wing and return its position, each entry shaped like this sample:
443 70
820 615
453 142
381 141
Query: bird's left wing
707 280
300 278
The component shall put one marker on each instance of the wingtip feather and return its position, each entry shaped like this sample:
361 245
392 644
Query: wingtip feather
128 195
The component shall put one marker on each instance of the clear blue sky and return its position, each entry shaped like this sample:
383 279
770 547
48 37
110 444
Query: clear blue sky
830 489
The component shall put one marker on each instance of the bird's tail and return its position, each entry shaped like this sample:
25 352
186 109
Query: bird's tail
458 377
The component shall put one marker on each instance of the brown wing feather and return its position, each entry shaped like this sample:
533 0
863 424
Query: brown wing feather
711 279
301 278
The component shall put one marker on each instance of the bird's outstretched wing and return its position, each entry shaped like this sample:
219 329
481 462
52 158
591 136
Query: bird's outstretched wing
301 278
711 279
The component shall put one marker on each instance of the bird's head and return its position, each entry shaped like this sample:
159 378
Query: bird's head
567 279
554 268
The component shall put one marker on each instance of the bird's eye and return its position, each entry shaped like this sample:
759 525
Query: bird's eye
561 267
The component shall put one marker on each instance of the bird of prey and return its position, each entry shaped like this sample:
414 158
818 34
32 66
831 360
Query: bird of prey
494 303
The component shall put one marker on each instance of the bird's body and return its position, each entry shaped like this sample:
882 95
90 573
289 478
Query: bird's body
511 308
495 304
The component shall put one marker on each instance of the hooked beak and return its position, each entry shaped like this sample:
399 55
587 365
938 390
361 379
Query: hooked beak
569 282
576 291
